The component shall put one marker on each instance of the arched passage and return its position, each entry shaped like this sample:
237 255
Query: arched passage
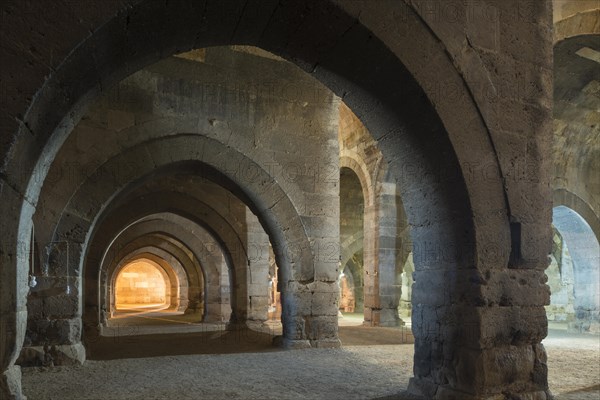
575 18
223 246
577 265
180 284
203 262
383 241
289 252
352 216
563 197
142 284
452 219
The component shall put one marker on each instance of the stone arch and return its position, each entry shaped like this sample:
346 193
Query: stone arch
194 273
179 204
582 19
563 197
584 249
169 277
352 161
263 194
173 268
264 186
384 239
351 247
340 52
204 269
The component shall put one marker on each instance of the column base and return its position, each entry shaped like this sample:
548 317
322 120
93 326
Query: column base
425 389
385 324
10 384
584 327
258 326
289 344
326 343
42 356
386 317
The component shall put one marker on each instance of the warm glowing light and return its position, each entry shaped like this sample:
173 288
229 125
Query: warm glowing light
141 284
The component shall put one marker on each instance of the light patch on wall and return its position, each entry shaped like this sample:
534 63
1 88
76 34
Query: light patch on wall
141 284
198 55
255 51
588 53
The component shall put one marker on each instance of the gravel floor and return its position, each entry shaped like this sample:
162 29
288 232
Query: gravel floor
353 372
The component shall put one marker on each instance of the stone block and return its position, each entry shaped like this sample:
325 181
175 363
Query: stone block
325 303
507 369
54 332
55 355
519 287
259 304
258 289
294 328
320 328
296 299
326 271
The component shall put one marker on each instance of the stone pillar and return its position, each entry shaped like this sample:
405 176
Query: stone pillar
391 223
372 304
56 294
12 330
385 233
258 271
14 265
478 331
310 314
195 300
225 306
218 296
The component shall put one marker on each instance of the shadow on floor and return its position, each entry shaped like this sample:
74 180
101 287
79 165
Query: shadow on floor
216 342
140 334
129 344
589 393
400 396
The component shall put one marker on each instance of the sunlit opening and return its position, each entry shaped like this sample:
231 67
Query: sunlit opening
141 284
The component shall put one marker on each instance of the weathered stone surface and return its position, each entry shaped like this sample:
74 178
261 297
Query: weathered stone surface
10 384
49 356
466 138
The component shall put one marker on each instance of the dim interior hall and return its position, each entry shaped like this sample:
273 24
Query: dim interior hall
300 199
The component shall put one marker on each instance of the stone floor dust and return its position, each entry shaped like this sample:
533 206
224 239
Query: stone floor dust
353 372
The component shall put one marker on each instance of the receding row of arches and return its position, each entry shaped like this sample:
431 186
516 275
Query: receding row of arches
198 217
123 153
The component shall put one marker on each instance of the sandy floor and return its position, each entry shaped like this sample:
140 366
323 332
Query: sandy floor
573 364
357 371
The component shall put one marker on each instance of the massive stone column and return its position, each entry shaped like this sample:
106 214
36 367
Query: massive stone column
14 251
392 250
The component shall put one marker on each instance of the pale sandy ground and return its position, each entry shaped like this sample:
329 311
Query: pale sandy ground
573 364
353 372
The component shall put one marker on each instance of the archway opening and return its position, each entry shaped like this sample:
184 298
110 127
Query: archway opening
352 214
306 273
573 275
347 291
142 285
